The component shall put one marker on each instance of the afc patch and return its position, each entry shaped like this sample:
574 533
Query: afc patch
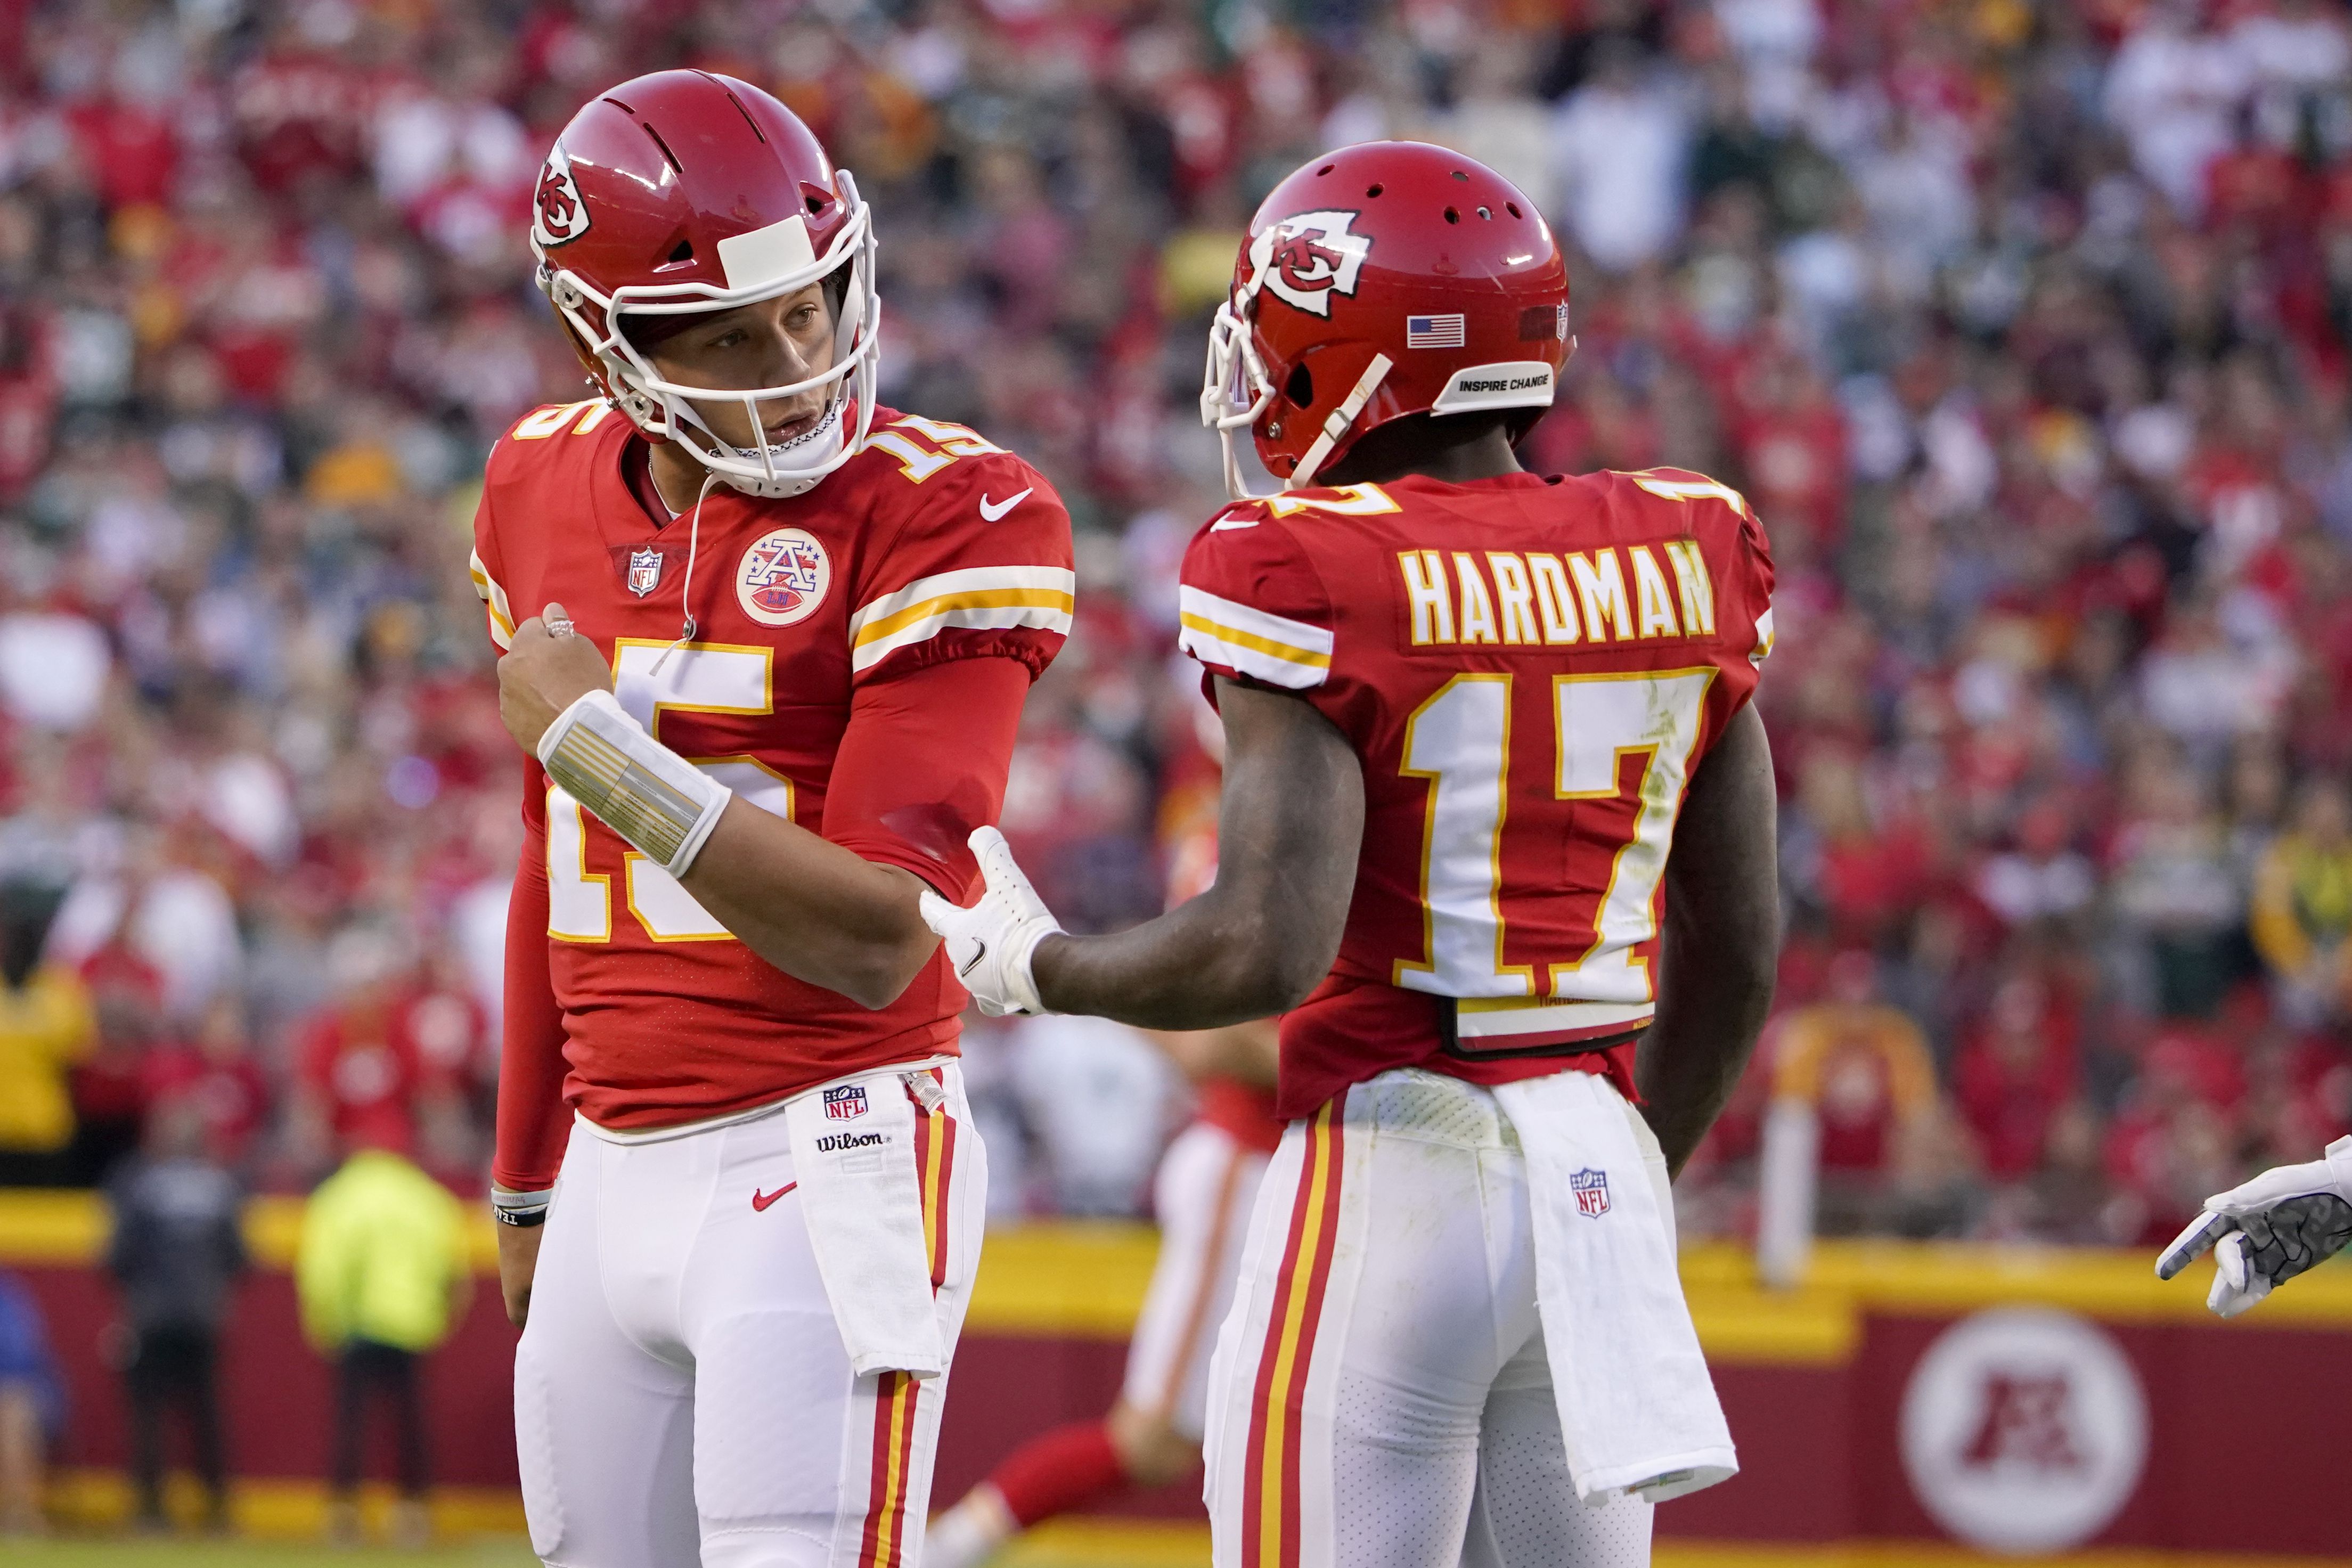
847 1104
783 577
1591 1190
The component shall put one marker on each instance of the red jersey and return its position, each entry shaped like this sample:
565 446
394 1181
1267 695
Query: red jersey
931 547
1529 669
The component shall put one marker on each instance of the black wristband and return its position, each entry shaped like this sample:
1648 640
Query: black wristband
521 1219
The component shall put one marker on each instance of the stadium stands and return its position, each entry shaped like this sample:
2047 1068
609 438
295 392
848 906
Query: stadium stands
2023 326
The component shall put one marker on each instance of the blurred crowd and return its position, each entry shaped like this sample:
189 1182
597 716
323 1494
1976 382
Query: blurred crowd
2023 326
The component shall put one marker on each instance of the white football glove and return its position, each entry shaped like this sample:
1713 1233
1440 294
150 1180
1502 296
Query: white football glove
990 944
2265 1232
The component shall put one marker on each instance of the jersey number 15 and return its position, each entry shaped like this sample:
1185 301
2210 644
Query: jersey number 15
699 677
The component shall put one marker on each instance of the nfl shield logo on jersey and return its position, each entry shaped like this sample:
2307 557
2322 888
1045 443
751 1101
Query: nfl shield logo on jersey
847 1104
1591 1190
644 569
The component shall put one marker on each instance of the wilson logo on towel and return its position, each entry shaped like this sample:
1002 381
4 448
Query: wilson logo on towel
847 1104
1591 1190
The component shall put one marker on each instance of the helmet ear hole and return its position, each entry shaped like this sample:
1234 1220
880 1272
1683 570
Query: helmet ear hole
1300 387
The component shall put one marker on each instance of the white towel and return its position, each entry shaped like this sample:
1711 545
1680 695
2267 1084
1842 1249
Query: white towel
861 1195
1636 1405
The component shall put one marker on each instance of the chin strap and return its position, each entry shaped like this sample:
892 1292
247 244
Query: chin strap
686 589
1337 426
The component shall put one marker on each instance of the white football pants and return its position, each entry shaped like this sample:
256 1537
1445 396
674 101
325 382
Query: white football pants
1381 1395
1204 1194
681 1393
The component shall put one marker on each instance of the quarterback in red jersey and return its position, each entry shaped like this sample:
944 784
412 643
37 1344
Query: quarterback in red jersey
768 644
1498 836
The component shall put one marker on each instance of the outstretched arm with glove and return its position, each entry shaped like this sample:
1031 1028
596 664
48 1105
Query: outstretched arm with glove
2266 1231
1288 827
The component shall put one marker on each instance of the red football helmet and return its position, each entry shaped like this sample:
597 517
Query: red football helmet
684 192
1383 280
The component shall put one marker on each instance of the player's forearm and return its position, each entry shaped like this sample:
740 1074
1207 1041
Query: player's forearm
1720 941
1209 963
815 909
1289 829
1691 1060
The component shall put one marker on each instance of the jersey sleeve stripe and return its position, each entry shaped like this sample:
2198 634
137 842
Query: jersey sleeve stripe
1292 669
502 623
892 611
1253 628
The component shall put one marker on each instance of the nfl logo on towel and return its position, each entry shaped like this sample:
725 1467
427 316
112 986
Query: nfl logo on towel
1433 331
848 1102
645 570
1591 1190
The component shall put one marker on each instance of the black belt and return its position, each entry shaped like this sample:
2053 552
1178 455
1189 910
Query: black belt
1449 1040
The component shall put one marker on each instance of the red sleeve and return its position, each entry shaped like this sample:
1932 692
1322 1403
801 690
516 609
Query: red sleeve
532 1121
488 570
979 568
923 762
1253 608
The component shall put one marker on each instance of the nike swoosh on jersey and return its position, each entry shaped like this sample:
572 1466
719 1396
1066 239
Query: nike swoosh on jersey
1230 523
759 1200
992 511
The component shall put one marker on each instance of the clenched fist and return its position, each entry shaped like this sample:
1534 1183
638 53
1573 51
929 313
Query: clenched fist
544 672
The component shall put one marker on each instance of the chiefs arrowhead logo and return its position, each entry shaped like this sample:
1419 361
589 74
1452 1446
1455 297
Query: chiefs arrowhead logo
1305 258
562 217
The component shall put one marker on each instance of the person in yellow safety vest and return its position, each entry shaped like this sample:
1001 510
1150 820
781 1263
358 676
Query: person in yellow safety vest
45 1024
381 1272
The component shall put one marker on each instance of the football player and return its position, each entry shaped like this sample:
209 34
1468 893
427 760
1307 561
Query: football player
787 633
2265 1232
1496 831
1206 1185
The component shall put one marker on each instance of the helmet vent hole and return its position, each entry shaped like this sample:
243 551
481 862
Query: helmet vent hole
1485 213
1462 177
682 251
747 118
1372 191
667 156
816 206
1300 387
1453 216
1511 207
1325 170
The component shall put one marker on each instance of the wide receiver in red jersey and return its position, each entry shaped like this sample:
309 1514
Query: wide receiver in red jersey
1491 773
786 638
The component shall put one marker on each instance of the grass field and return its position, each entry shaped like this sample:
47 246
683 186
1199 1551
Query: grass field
69 1552
1075 1545
1072 1543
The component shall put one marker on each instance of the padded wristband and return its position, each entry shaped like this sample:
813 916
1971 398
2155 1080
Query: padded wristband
662 804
